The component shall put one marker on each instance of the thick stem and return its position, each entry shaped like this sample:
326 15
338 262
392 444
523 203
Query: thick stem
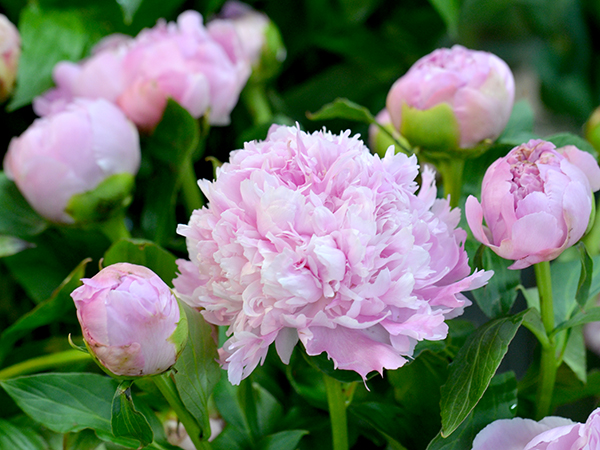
168 389
114 228
192 197
45 362
548 362
452 178
257 103
337 412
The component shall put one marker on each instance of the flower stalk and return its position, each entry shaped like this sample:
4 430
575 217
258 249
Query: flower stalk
548 363
337 412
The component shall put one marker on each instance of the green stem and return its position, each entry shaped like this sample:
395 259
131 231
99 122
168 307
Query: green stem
167 387
548 362
592 238
337 412
452 178
257 103
192 197
114 228
45 362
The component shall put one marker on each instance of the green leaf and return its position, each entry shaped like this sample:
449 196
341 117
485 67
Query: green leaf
68 402
533 322
473 368
129 8
581 318
562 139
575 354
17 218
18 438
585 277
284 440
342 108
498 402
10 245
125 420
49 311
197 371
499 294
144 253
172 145
48 36
392 421
449 11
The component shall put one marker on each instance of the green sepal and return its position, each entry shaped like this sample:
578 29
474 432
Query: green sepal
434 129
180 335
110 196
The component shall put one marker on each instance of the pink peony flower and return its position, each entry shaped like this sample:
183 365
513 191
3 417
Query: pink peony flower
536 202
131 320
70 153
310 237
10 52
201 68
477 87
551 433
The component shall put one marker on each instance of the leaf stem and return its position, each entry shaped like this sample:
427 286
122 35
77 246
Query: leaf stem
44 362
548 362
337 412
167 387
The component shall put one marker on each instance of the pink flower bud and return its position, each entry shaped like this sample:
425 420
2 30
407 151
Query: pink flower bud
10 51
203 69
71 153
131 321
536 202
452 98
554 433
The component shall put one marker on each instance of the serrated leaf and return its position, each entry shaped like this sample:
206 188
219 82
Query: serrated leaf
125 420
473 368
144 253
585 276
49 311
498 402
68 402
197 371
17 218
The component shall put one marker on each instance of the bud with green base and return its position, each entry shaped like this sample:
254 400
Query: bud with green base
132 323
592 129
77 165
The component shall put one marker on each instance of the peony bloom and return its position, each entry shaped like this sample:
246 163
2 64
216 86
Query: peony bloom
452 98
536 202
310 237
71 153
10 52
131 321
260 38
551 433
201 68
